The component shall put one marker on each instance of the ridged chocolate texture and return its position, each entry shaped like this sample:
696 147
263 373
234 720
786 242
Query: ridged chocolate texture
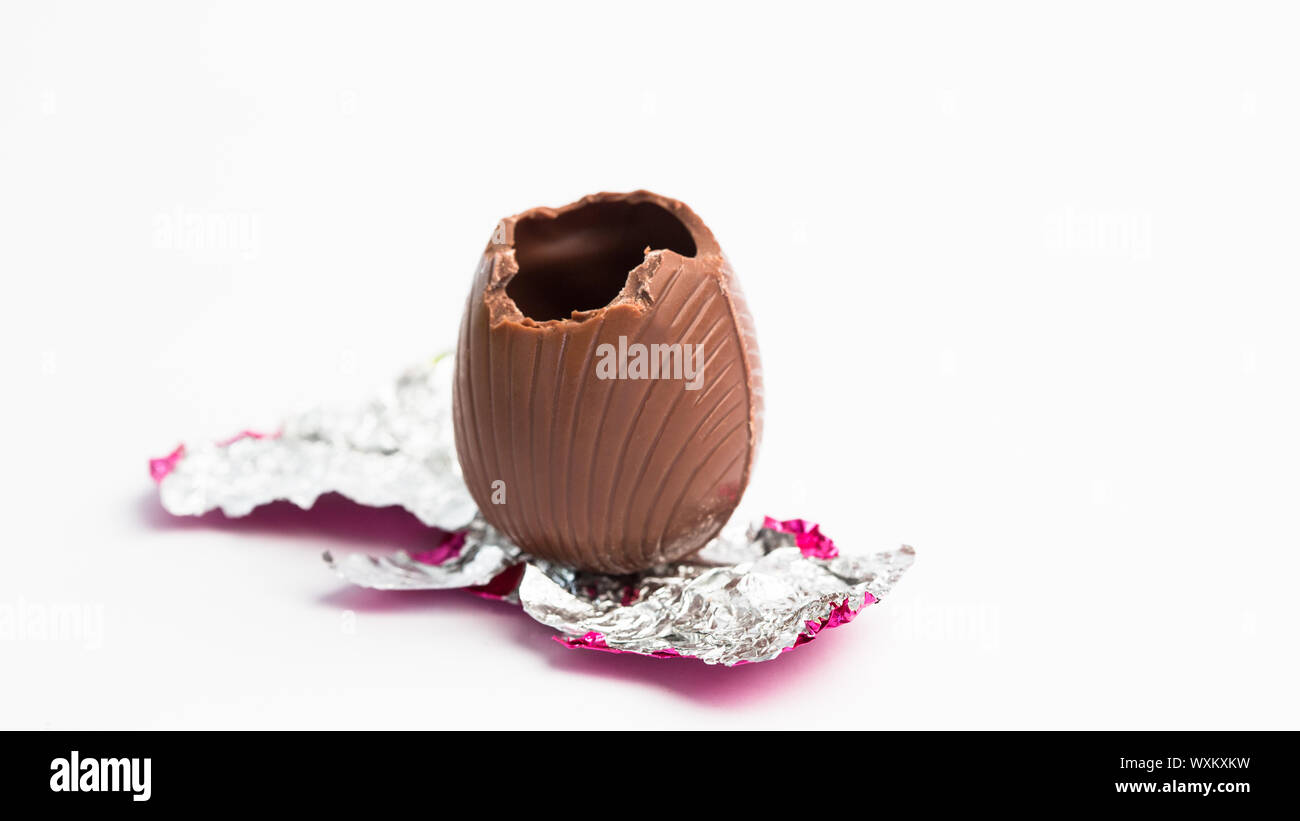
583 434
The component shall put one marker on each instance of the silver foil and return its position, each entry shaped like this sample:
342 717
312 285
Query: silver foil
398 449
484 556
747 596
731 614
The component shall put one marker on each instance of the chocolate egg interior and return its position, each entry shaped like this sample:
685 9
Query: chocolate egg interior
580 260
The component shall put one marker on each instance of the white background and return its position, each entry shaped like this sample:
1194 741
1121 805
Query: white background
1025 277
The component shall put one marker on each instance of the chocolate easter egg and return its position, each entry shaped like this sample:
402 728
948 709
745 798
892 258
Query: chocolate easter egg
608 396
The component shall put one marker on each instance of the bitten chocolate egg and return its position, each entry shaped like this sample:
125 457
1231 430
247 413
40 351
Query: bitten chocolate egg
608 396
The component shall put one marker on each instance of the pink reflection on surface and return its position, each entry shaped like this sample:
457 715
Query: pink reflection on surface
336 520
449 542
333 522
504 629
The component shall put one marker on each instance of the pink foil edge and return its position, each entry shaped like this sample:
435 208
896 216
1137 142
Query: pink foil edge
808 537
246 434
591 640
162 466
839 614
449 546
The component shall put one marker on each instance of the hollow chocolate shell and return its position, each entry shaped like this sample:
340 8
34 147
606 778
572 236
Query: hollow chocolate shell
608 397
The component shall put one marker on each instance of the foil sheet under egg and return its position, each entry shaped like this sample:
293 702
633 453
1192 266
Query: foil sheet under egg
749 595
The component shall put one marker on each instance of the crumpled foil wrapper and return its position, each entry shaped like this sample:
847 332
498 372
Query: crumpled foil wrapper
398 449
747 596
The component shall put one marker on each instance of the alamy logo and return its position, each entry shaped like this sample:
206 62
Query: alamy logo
76 774
654 361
